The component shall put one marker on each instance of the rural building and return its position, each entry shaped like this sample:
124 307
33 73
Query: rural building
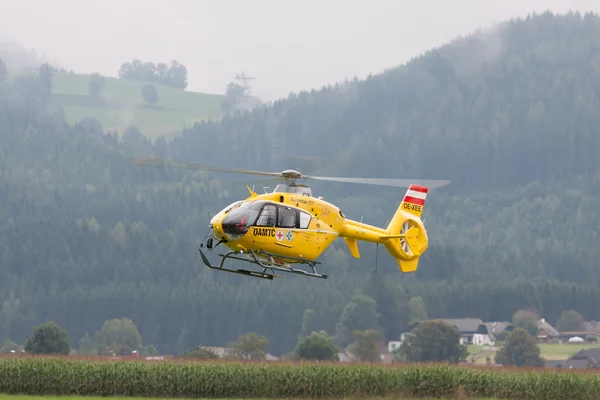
592 356
583 359
224 351
473 330
584 335
568 364
497 327
592 326
346 356
393 345
546 331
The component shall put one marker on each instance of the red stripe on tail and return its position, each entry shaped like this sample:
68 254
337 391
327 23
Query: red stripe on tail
418 188
414 200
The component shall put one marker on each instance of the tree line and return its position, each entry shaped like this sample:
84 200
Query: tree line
428 341
175 75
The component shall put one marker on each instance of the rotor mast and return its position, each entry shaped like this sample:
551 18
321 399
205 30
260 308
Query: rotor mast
290 186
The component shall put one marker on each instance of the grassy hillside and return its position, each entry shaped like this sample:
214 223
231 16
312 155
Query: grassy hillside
121 104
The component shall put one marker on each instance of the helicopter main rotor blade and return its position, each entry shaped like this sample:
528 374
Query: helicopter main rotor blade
163 162
383 181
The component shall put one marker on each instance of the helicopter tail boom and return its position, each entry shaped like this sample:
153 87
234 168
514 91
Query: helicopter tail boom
404 238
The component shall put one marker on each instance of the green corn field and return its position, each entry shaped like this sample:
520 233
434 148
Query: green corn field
225 379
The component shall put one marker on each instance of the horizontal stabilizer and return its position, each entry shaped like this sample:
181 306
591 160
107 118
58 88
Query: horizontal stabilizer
386 237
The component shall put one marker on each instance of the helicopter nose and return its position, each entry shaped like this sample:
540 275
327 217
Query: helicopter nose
215 224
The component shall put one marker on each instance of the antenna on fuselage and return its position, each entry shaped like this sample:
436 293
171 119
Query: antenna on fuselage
265 188
376 253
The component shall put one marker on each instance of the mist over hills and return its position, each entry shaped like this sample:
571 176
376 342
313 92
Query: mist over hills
509 115
458 112
15 56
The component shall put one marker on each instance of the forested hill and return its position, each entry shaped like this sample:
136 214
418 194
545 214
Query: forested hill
497 109
509 115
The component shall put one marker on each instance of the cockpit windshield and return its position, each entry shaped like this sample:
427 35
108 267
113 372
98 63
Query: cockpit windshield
237 222
262 213
231 206
225 210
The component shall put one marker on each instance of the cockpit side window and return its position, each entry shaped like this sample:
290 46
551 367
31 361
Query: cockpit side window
304 220
268 216
286 217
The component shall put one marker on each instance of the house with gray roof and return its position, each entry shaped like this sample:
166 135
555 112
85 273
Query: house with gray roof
569 364
497 327
546 331
591 355
592 326
583 359
473 330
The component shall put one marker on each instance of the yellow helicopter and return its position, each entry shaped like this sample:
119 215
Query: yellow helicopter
288 227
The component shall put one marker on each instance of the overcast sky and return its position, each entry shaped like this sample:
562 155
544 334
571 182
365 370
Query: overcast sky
286 45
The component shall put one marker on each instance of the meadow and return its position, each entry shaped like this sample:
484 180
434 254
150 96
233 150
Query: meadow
77 376
121 104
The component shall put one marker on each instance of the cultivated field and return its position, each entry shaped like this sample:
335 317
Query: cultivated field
76 376
548 351
17 397
121 104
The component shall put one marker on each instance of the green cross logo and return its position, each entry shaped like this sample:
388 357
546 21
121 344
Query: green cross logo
289 235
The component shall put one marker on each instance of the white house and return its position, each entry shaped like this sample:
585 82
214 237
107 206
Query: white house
473 330
393 345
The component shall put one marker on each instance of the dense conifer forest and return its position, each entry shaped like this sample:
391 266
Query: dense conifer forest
510 115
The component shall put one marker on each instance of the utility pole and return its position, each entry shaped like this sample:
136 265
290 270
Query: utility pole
244 79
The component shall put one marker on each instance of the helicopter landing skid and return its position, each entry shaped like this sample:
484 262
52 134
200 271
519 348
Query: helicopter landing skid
267 264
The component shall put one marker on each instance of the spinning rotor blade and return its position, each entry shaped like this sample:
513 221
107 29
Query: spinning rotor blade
383 181
163 162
